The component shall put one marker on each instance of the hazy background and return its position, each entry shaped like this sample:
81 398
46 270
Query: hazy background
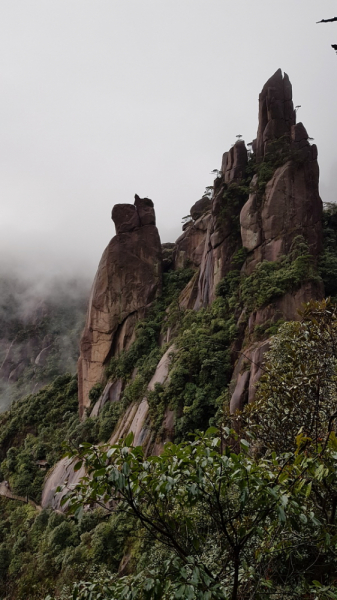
102 99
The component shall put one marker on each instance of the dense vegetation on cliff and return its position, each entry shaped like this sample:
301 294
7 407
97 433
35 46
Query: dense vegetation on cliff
233 518
263 508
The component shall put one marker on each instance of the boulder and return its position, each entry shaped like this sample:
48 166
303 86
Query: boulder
125 217
200 207
145 209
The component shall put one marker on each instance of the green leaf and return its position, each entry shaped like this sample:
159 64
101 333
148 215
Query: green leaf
129 439
281 514
211 431
180 593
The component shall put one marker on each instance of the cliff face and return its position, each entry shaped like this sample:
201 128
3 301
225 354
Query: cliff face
291 204
252 246
263 201
128 279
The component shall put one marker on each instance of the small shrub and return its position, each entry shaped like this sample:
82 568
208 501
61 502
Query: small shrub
95 393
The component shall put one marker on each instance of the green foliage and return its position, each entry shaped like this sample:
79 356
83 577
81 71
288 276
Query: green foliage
278 152
108 419
201 368
33 430
328 259
199 371
239 258
298 390
272 279
268 329
95 393
63 535
229 288
223 524
269 279
43 552
234 197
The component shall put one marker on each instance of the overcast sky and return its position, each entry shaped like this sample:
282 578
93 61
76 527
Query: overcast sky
102 99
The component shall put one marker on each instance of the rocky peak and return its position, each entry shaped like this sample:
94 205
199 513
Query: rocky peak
234 162
128 217
127 281
258 216
145 209
257 210
276 112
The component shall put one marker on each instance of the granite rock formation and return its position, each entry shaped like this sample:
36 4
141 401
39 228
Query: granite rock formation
261 202
128 279
265 222
286 207
291 205
289 208
276 113
222 237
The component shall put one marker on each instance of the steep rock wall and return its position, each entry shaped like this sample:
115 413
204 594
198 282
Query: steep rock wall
223 235
289 207
258 215
128 279
283 204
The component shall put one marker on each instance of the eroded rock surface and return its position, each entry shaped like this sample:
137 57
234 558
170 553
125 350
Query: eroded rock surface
290 207
128 279
276 112
222 237
189 247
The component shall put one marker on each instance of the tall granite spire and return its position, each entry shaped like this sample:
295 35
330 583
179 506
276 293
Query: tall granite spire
127 281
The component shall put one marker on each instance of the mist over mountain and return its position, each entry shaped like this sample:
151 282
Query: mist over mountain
40 324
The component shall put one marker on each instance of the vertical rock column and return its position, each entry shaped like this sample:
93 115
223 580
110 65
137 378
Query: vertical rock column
127 281
288 207
223 235
291 205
